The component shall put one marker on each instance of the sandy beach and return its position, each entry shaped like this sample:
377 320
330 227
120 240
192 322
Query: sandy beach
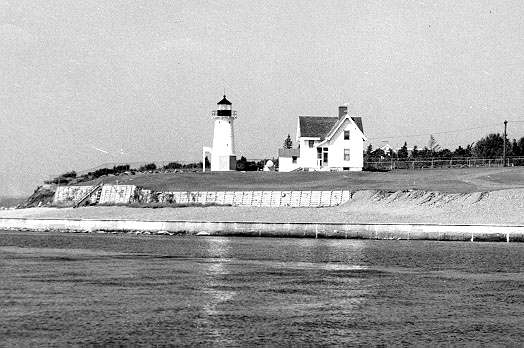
368 206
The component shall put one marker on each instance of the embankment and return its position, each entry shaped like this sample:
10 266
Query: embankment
407 214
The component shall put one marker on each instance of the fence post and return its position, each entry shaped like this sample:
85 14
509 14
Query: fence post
504 148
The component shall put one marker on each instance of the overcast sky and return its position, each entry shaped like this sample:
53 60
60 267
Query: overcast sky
84 83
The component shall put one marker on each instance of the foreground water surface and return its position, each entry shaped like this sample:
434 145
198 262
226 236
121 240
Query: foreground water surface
126 290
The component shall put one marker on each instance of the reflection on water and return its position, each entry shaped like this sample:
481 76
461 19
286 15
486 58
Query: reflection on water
120 290
297 286
214 291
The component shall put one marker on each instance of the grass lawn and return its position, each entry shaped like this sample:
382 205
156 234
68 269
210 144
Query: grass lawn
444 180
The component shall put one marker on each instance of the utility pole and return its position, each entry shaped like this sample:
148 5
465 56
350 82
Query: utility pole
504 149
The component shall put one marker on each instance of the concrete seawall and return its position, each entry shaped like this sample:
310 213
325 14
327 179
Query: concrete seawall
438 232
125 194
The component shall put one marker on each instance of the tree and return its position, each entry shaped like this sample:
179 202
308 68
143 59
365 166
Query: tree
445 153
463 152
518 147
368 152
71 174
403 151
288 144
173 165
490 146
391 153
244 165
433 146
414 153
424 153
146 167
241 164
378 153
515 148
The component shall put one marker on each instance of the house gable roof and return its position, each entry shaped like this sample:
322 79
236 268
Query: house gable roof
358 122
316 126
321 127
337 126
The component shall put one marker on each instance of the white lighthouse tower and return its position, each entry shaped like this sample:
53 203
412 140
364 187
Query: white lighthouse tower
223 156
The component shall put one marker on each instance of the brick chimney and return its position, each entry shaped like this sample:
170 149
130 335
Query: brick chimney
342 111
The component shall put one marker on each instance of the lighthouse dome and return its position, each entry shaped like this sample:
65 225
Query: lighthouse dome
224 101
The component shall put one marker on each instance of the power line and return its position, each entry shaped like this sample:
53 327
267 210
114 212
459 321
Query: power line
445 132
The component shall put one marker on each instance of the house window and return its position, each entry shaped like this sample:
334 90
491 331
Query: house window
346 135
311 143
322 156
294 159
346 154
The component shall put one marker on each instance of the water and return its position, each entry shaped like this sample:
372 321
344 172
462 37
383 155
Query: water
126 290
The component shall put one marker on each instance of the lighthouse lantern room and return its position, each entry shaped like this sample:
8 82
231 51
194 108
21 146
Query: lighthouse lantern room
223 156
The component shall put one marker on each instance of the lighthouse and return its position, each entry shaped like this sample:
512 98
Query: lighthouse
223 156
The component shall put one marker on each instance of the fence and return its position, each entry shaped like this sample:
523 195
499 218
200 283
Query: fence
432 163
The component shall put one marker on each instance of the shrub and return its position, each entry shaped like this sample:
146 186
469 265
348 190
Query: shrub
173 165
146 167
71 174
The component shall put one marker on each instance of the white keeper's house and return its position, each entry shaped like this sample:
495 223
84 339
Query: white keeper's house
326 143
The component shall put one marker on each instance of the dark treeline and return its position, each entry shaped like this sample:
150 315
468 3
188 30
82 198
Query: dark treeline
249 166
71 177
125 169
491 146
